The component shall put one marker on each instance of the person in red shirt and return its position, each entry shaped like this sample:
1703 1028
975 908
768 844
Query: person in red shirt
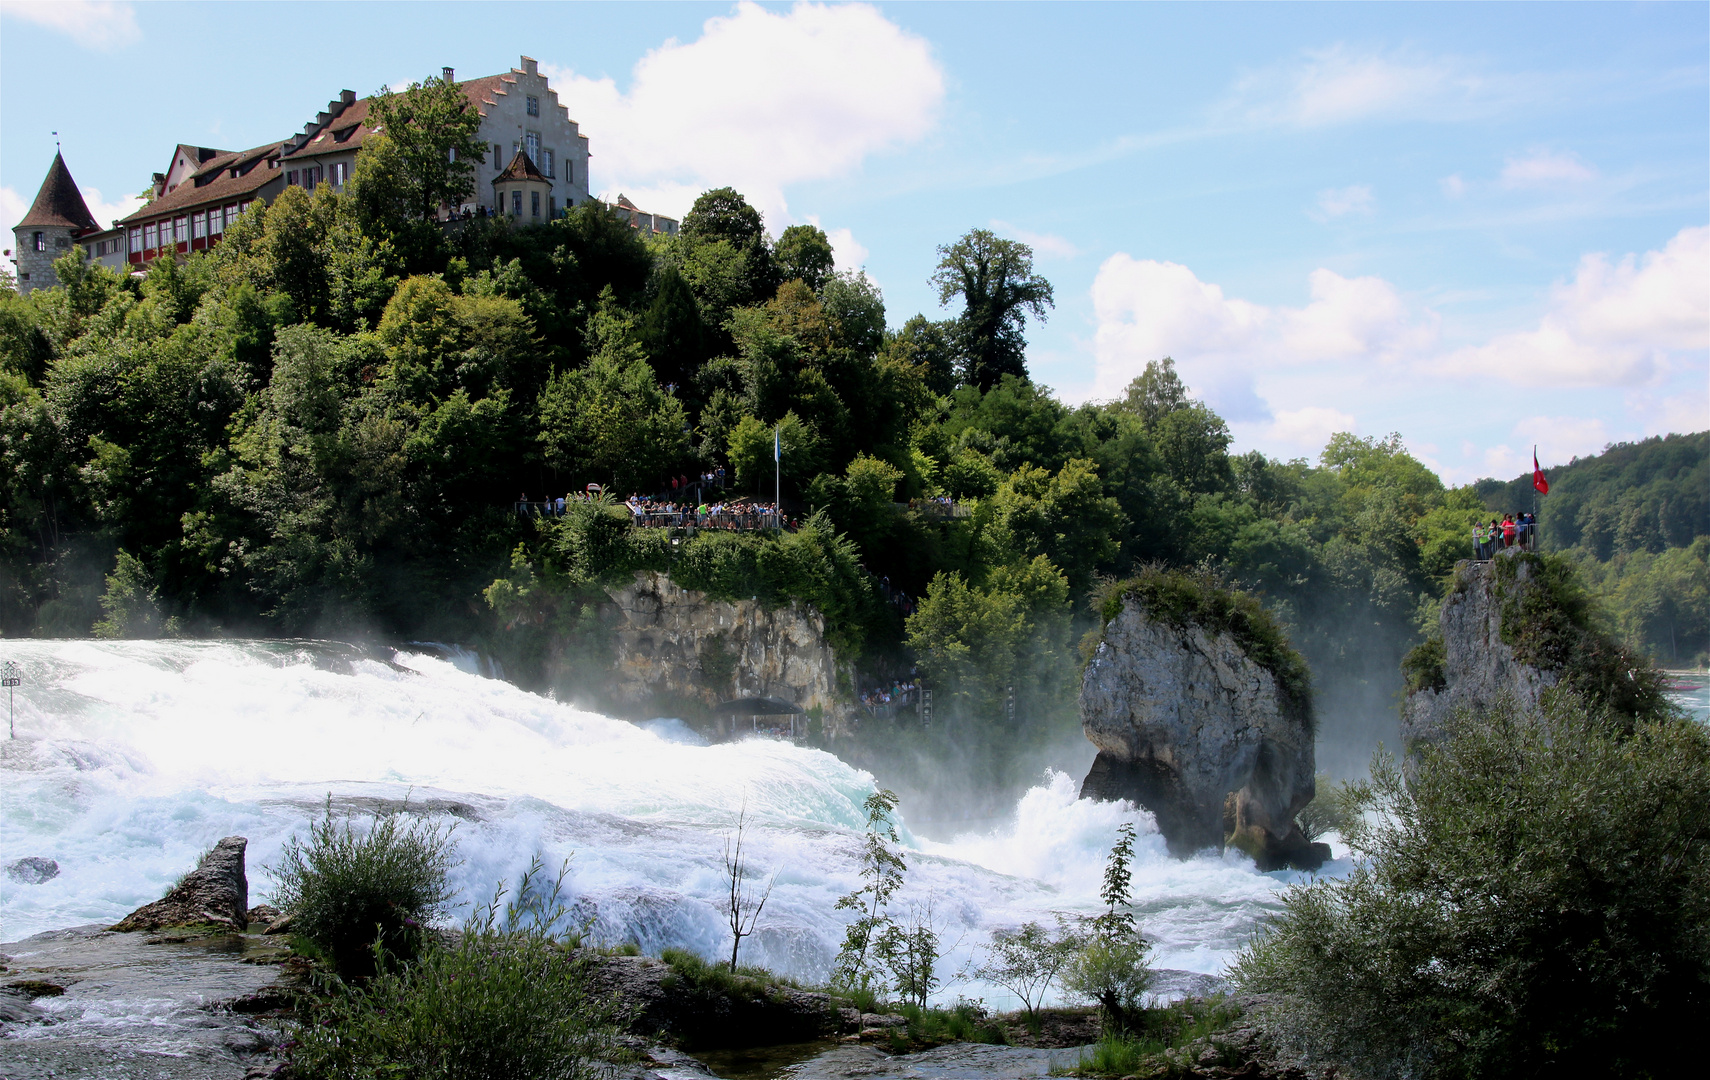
1507 530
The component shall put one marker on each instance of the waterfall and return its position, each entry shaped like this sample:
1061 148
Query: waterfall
132 758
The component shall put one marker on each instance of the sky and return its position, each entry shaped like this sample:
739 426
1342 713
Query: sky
1480 226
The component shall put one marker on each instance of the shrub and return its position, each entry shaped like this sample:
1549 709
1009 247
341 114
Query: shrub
346 889
509 1000
1423 666
1185 598
1547 618
1110 966
1534 901
1026 961
1328 810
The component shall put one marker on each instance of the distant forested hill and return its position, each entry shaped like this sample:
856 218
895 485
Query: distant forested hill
1637 517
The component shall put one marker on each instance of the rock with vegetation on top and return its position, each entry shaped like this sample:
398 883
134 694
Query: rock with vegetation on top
1201 713
675 643
216 892
1513 628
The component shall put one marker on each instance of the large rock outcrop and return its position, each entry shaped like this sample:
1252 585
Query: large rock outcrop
1470 666
676 643
1191 727
216 892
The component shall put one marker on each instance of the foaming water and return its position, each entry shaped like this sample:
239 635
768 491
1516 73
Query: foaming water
134 757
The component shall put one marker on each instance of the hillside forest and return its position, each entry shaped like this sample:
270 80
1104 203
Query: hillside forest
321 427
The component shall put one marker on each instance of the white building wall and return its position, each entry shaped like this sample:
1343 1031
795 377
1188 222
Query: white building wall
507 125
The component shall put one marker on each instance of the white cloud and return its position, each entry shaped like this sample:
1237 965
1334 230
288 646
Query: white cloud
1299 432
1559 439
1453 186
1614 324
760 101
1340 85
1049 245
13 207
846 251
1543 167
1336 202
95 24
1147 309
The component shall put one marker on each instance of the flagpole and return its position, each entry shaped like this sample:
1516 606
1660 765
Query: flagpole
777 478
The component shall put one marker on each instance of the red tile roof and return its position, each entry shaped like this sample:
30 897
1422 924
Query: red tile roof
59 203
214 183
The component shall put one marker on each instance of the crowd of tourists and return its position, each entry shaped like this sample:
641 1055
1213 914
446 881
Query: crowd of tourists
898 693
733 514
1513 531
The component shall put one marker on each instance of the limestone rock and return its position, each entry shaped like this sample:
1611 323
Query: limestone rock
660 1002
1478 669
33 870
217 891
677 643
1191 728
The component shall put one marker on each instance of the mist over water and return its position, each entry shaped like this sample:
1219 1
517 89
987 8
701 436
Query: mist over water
134 757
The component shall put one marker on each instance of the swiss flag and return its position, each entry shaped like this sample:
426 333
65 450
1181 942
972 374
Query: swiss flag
1538 480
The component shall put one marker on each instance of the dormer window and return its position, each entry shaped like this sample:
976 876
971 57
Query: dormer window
533 105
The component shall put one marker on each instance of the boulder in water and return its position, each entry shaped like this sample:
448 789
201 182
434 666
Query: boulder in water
33 870
1192 727
216 892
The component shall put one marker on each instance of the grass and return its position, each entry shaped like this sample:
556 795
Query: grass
964 1021
1186 598
1142 1051
697 975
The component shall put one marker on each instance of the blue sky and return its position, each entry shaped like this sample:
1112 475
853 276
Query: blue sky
1481 226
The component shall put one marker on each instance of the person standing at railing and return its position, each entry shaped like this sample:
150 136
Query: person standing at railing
1478 536
1507 530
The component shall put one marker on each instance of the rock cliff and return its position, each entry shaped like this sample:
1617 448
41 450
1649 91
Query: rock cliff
1191 727
1470 666
217 892
675 644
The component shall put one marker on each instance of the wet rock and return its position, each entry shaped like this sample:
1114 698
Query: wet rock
281 925
32 870
216 892
1190 727
35 988
268 1001
701 1016
263 914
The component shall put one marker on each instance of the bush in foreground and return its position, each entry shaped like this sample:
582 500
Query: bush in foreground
1533 901
510 999
346 889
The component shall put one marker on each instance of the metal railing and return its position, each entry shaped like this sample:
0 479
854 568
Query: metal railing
1525 538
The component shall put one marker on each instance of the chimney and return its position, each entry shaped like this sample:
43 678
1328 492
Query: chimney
322 118
448 72
348 97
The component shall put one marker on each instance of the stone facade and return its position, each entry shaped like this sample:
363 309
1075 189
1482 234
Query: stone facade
678 644
55 221
1478 669
1191 728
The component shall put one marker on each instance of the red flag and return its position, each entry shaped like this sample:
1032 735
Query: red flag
1538 480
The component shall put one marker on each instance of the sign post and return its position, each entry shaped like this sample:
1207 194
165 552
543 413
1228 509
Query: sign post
10 681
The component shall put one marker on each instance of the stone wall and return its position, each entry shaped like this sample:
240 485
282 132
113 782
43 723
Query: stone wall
677 644
1191 728
1478 668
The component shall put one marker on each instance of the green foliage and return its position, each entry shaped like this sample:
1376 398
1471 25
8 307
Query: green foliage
1547 618
857 966
1141 1050
350 890
696 977
1423 666
1108 963
432 127
965 1021
1531 900
804 254
131 606
508 999
1184 598
1027 960
995 280
1329 809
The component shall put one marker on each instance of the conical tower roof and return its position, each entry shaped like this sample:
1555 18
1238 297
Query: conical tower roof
521 168
59 203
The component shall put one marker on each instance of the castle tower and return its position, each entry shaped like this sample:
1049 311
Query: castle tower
57 217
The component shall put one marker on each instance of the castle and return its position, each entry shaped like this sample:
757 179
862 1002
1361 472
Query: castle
536 169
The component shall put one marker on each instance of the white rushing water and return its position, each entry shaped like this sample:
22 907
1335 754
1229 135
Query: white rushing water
132 758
